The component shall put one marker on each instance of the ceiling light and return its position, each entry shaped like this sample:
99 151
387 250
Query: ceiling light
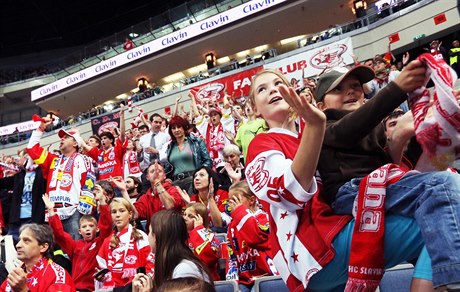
174 77
290 40
242 53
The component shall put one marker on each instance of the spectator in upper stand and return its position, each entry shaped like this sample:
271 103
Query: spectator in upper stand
110 157
70 177
83 252
248 236
129 44
213 131
454 54
202 241
206 191
186 153
27 187
233 170
38 273
153 142
160 196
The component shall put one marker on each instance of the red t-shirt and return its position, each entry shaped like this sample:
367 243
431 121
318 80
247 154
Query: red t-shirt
109 162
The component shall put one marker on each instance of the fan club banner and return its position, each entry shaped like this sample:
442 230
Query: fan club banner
236 86
314 62
105 123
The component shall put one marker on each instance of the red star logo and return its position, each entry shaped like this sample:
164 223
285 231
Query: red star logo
288 235
295 257
283 215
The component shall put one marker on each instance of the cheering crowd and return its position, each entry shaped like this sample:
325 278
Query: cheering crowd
325 184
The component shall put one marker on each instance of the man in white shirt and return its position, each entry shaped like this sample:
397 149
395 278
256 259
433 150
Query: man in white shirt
152 143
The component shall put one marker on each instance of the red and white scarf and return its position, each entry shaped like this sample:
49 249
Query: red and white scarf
367 260
440 139
438 134
215 140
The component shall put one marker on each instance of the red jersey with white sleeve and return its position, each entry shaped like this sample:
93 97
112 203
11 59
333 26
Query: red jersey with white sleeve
70 180
46 276
248 236
302 227
205 245
110 161
123 260
82 253
221 198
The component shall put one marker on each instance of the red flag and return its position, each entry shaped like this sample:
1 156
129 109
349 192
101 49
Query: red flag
393 38
438 19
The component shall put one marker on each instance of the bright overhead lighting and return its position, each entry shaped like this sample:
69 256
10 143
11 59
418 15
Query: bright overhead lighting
197 69
242 53
123 96
290 40
223 60
261 48
174 77
133 35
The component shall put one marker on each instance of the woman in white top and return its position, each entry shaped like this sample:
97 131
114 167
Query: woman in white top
168 238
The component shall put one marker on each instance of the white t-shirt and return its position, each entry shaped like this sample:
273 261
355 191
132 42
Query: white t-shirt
187 268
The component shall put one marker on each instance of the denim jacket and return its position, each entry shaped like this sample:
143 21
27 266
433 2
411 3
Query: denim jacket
198 147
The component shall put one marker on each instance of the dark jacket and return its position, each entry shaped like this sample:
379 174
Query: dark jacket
199 150
16 183
354 141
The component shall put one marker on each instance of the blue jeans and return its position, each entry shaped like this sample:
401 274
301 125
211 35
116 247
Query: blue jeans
433 199
72 225
403 242
13 228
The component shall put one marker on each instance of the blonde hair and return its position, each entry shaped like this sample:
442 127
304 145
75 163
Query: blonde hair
243 187
114 241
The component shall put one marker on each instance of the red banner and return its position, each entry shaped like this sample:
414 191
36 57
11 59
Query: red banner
438 19
393 38
236 85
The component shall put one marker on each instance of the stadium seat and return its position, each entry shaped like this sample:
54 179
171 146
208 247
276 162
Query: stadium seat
397 279
270 284
226 286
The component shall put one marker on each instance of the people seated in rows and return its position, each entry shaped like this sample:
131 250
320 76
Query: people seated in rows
311 245
160 196
185 153
233 170
359 148
206 191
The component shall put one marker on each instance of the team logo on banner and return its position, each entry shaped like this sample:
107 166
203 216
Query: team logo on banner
330 56
212 92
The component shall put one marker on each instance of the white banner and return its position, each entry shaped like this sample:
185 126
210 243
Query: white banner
314 62
191 31
20 127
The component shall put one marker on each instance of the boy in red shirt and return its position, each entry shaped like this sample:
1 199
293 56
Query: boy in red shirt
83 252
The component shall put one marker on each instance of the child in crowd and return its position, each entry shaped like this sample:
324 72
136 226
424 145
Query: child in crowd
355 145
126 250
82 252
202 240
310 245
248 236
